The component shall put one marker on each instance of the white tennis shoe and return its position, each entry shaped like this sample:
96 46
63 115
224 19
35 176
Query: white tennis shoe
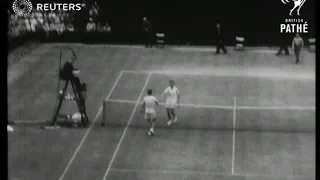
169 122
175 119
152 131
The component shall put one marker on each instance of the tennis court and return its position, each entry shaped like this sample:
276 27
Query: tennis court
232 125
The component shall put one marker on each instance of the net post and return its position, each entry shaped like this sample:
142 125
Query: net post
104 111
234 112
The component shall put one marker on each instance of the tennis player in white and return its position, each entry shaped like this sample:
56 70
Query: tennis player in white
149 108
172 100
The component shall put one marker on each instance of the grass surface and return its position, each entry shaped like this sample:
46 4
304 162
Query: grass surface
126 152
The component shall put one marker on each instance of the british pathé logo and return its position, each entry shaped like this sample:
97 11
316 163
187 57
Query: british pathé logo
297 4
294 25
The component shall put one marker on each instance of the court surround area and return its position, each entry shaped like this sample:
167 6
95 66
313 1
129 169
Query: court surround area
244 116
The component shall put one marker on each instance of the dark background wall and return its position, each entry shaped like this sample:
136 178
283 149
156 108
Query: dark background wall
194 20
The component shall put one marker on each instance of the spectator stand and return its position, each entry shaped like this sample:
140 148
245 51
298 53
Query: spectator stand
57 25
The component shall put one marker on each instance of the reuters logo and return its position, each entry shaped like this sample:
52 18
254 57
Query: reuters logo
22 7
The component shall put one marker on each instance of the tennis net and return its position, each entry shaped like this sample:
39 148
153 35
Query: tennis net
214 117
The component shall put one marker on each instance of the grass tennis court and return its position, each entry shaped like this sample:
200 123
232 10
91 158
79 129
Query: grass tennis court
240 117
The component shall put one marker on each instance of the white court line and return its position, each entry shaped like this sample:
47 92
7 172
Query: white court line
29 121
205 173
229 72
277 107
126 128
136 72
234 133
226 107
89 129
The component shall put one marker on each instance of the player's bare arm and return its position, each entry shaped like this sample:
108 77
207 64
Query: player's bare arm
143 107
163 94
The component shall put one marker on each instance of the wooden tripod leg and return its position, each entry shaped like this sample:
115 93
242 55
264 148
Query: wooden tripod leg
61 99
84 111
81 103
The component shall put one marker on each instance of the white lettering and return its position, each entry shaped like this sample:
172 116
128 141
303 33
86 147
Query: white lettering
71 7
78 7
39 7
52 7
282 27
293 20
288 28
299 28
294 28
305 27
46 6
58 6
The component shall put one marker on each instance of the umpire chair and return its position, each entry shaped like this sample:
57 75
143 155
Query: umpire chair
79 90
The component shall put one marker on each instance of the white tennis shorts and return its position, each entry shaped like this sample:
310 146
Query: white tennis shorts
171 103
150 115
